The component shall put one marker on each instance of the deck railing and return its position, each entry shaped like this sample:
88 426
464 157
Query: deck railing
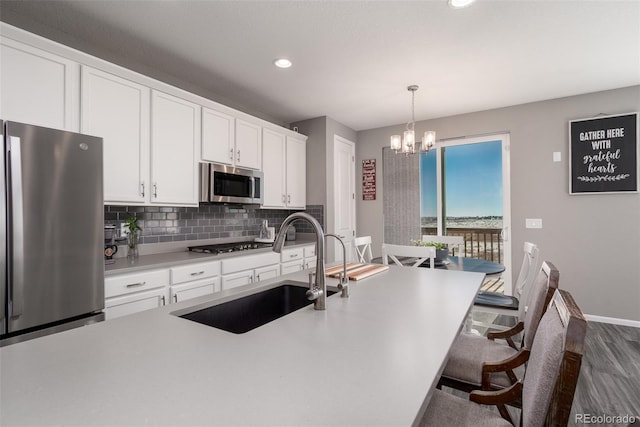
481 243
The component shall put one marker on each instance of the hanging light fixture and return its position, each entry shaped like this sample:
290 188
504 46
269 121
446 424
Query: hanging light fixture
407 143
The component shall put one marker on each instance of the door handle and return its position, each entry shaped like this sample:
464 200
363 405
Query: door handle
142 186
15 264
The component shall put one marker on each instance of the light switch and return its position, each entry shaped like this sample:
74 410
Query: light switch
557 156
533 222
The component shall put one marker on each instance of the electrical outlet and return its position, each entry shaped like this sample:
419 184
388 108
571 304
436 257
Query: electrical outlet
557 156
533 222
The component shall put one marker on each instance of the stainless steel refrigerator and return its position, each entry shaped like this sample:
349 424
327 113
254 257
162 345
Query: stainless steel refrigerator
51 231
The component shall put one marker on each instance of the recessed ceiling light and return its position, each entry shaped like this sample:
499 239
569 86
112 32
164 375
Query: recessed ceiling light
457 4
282 63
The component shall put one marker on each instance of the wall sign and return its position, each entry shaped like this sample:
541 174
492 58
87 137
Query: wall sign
369 179
603 154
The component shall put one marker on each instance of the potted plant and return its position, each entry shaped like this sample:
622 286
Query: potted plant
442 250
133 234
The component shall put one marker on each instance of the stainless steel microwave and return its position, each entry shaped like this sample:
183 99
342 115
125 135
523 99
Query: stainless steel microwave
226 184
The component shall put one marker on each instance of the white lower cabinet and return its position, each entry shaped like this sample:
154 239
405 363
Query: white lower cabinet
185 291
130 293
134 303
297 258
194 280
245 270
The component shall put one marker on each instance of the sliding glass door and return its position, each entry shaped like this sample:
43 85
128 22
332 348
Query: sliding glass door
464 191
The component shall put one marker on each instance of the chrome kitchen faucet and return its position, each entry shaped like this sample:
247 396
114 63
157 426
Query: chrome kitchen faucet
317 292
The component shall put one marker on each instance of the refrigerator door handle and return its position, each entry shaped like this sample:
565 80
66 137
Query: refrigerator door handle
15 257
3 236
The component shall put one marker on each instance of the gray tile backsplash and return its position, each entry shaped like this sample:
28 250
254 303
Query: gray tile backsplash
174 224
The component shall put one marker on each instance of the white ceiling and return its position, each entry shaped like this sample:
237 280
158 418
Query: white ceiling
354 59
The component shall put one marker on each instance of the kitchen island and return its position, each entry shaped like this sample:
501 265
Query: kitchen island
370 359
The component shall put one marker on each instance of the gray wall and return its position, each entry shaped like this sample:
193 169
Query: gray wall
594 240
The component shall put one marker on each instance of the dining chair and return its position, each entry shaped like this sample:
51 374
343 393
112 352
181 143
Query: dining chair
546 392
464 368
420 253
450 241
509 305
363 249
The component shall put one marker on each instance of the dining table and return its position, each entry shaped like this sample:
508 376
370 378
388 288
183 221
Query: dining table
456 263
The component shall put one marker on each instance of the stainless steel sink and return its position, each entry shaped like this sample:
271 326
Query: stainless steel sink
246 313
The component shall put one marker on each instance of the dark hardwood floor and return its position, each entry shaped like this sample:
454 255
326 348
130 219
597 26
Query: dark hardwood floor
609 382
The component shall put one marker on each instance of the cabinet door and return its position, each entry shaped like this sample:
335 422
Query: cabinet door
130 304
37 87
218 137
230 281
273 153
292 267
195 289
296 173
175 131
248 145
118 111
266 273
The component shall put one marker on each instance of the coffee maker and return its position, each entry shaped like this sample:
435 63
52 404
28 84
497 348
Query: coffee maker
110 247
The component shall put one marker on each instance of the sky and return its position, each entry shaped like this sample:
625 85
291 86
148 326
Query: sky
473 180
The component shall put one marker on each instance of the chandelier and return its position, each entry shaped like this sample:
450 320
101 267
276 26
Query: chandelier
407 143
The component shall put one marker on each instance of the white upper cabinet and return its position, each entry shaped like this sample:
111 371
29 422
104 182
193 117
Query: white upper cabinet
248 149
273 167
230 141
284 165
175 133
118 111
296 173
218 137
37 87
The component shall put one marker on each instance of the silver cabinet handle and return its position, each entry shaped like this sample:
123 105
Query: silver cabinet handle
164 302
289 198
293 255
142 186
134 285
155 190
284 199
257 277
175 297
231 154
238 156
197 273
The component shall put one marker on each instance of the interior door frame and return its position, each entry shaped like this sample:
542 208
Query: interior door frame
504 138
336 208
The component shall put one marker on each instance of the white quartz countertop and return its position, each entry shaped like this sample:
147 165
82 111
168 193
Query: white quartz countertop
370 359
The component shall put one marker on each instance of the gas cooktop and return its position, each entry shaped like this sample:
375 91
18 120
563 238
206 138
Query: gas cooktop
229 247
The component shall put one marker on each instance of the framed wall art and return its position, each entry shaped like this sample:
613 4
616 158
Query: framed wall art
603 154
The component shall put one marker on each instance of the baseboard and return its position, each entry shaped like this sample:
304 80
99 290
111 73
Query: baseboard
613 320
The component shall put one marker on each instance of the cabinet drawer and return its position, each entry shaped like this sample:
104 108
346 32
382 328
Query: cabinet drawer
291 254
247 262
129 283
310 251
191 272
